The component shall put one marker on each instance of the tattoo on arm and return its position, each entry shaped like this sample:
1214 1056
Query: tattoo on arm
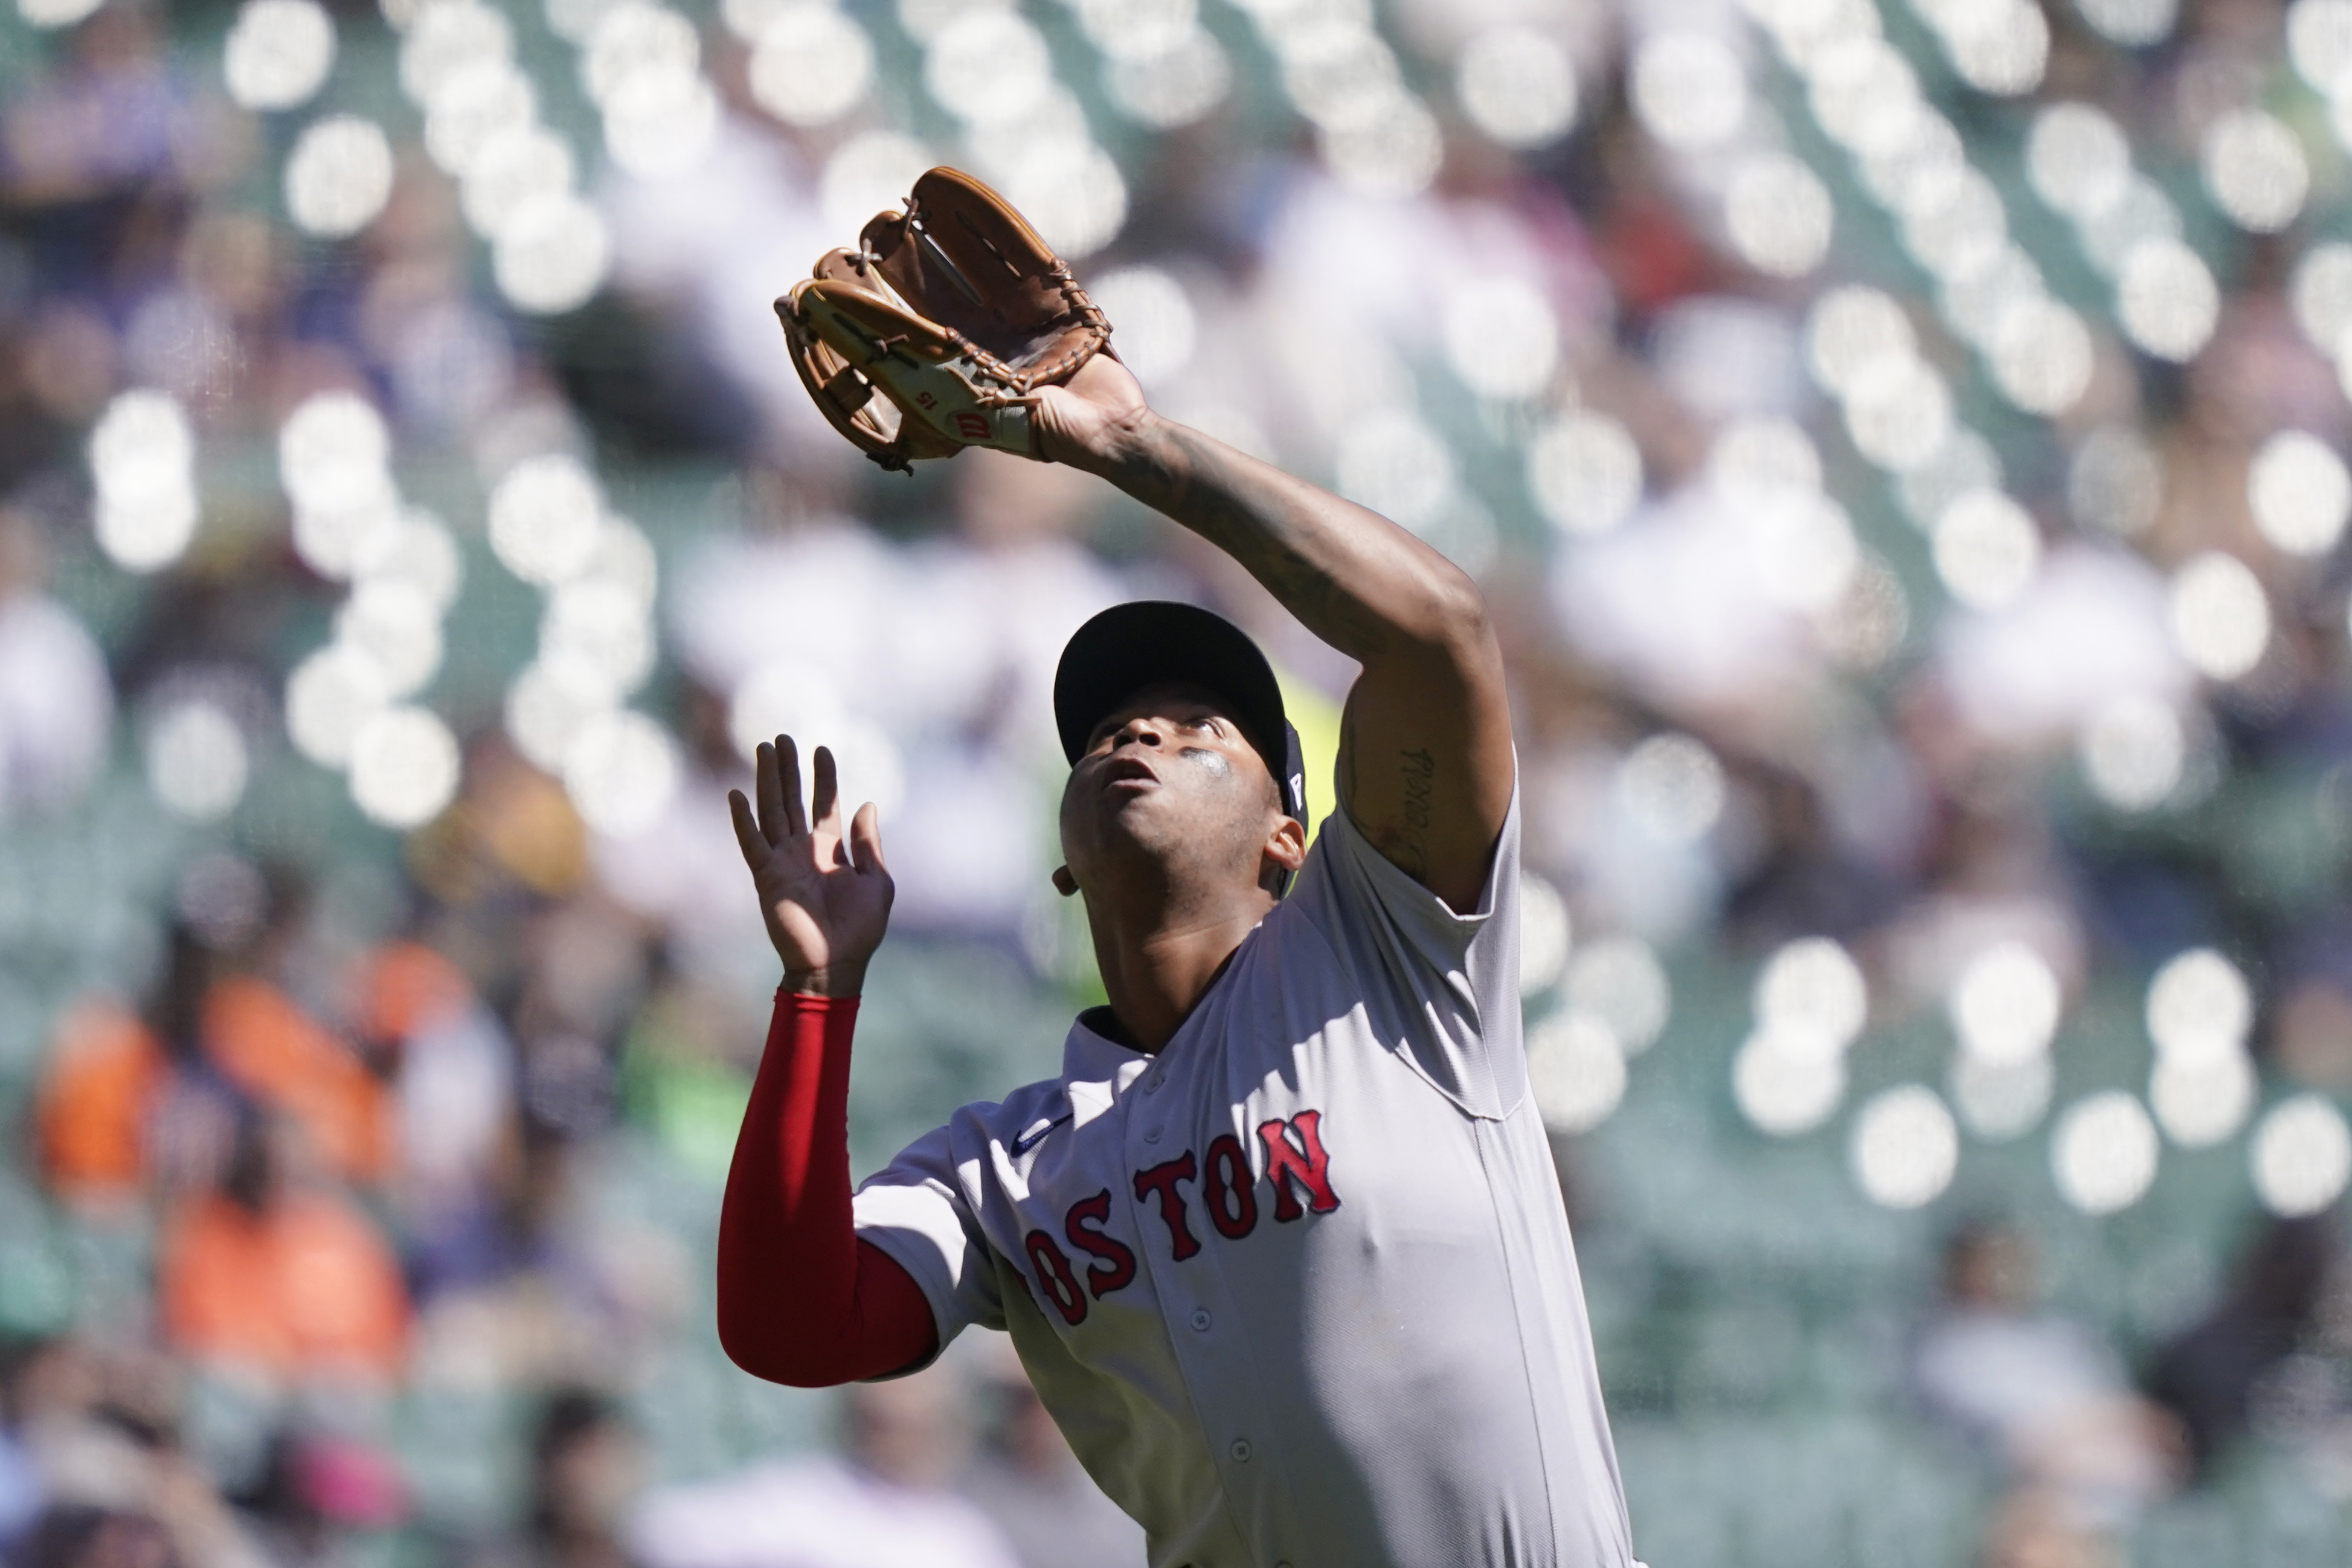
1419 770
1282 543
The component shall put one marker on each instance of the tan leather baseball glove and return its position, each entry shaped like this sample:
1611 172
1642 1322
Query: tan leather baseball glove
954 312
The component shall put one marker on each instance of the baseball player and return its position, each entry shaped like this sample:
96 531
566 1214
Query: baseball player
1282 1247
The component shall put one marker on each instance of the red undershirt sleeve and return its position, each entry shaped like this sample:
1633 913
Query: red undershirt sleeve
802 1301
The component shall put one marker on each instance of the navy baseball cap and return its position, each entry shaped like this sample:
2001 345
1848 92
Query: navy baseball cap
1132 646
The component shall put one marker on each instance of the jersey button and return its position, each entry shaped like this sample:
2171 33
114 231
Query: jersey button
1151 1135
1200 1319
1240 1451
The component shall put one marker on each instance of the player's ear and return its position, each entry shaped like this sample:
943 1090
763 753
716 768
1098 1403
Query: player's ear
1064 883
1285 846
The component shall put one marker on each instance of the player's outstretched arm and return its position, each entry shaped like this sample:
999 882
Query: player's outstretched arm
1425 767
801 1299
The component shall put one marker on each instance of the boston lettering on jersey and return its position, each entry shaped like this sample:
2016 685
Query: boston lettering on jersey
1296 1164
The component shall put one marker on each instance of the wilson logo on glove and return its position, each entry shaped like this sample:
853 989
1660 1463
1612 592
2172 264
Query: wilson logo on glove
955 311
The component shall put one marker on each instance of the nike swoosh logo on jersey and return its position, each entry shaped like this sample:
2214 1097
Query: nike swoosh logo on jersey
1031 1138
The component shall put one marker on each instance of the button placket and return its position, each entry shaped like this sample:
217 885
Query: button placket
1202 1357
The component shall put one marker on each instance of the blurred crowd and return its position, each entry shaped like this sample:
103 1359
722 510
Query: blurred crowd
1927 630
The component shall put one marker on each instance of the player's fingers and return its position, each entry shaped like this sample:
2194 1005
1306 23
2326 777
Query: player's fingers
748 836
767 792
825 805
865 839
788 769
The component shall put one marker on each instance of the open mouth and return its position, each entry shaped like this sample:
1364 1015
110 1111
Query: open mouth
1129 773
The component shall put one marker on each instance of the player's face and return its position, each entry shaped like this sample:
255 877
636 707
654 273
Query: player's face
1169 772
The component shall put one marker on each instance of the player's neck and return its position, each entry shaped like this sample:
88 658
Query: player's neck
1155 973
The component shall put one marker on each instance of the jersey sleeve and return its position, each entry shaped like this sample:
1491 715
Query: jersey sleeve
917 1210
1443 986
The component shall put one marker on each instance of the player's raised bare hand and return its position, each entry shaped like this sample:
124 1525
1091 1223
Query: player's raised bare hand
824 893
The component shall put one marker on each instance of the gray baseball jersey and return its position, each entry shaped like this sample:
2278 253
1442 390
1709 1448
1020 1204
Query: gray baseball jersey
1300 1288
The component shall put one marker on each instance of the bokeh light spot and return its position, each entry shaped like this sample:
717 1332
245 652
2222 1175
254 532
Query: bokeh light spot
1544 935
1852 329
1755 458
1152 320
2005 1005
1166 91
196 763
397 626
339 177
635 39
1987 550
544 518
403 766
1392 462
2166 300
2133 751
1501 337
143 463
2200 1007
1393 152
2322 293
2319 41
1779 215
2077 160
1784 1091
2104 1152
2302 1156
2133 24
871 172
2041 356
811 65
2199 1103
1585 471
278 53
550 702
2255 170
1619 980
1576 1071
1905 1147
1689 90
2220 617
328 697
2300 493
1672 786
621 770
1811 997
1516 86
988 65
551 254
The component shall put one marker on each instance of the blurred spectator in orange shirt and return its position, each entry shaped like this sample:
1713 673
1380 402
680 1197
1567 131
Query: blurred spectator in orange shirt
277 1273
263 1042
108 1075
105 1072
